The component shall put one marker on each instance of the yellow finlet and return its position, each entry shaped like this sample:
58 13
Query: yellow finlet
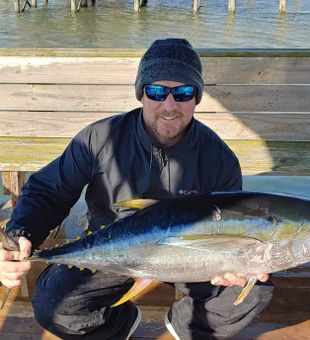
138 203
78 237
102 226
139 286
93 270
89 232
246 290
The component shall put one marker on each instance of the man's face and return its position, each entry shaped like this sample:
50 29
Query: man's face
167 121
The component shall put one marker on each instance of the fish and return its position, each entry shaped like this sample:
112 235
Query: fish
195 238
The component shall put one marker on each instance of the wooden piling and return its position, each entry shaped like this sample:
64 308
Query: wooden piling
282 6
196 5
136 5
17 6
34 3
73 6
84 3
232 6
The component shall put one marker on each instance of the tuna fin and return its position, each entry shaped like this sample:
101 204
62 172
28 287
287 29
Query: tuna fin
219 243
246 290
139 286
138 203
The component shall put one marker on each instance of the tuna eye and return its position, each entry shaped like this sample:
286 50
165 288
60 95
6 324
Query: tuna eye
271 219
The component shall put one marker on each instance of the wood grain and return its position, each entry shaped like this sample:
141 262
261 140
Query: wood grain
256 156
121 98
121 70
254 125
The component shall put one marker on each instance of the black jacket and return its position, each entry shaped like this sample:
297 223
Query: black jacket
118 161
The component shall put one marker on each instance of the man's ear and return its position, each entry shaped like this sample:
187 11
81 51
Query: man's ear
142 99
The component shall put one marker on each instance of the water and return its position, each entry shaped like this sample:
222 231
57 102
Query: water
113 24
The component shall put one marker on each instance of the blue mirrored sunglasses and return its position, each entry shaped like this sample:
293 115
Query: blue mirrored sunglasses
160 93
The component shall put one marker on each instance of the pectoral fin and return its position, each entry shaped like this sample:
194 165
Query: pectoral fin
140 285
246 290
219 243
138 203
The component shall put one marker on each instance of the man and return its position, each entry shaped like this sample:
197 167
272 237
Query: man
158 151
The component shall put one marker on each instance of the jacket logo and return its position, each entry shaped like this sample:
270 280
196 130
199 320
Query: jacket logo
188 192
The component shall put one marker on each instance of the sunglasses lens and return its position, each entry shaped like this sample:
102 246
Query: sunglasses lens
160 93
184 93
156 92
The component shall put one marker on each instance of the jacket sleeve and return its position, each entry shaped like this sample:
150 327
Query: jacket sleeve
230 176
49 193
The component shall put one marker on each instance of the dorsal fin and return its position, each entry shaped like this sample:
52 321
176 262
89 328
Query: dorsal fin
137 203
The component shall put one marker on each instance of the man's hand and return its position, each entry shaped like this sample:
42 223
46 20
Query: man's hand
11 269
229 280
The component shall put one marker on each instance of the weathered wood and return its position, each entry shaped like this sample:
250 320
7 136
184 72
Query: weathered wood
256 156
73 6
234 125
6 182
138 52
34 3
120 70
282 6
114 98
136 5
196 5
17 6
231 6
17 181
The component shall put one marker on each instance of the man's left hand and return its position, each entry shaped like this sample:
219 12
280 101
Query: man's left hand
229 280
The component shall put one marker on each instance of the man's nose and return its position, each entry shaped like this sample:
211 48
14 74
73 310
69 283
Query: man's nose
170 104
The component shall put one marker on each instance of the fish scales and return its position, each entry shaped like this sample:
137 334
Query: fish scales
192 239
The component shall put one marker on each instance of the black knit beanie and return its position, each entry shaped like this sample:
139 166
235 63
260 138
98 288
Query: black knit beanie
170 59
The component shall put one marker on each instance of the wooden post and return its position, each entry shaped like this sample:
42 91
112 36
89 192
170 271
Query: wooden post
232 6
196 5
17 6
34 3
12 184
84 3
73 6
282 6
136 5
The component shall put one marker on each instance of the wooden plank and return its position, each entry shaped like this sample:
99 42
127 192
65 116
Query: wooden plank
256 156
117 98
256 125
216 70
138 52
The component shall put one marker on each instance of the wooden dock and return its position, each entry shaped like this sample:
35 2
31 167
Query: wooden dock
75 5
256 100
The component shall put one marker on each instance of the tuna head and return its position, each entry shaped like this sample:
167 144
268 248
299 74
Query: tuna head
290 251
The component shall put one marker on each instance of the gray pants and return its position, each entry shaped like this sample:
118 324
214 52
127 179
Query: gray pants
74 304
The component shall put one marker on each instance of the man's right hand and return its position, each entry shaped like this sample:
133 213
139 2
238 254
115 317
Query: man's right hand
12 270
